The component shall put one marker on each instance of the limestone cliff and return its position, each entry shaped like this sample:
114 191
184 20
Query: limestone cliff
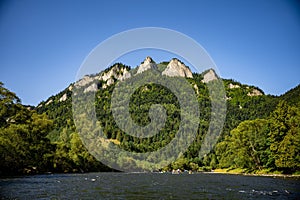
177 68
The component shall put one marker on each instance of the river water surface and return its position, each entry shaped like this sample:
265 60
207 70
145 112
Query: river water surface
148 186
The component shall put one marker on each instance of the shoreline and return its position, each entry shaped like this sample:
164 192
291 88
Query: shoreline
216 171
233 172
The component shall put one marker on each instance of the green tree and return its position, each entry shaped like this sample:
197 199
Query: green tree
23 143
285 137
245 147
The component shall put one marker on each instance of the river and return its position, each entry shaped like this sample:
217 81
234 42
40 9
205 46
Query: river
148 186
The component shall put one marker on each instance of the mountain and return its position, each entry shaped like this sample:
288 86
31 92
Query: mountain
292 96
247 106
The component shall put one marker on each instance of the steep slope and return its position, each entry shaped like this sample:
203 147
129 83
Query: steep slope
292 96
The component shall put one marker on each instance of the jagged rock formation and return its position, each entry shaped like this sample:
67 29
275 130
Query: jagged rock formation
48 102
209 76
117 72
126 75
108 77
146 65
232 86
177 68
84 81
63 98
92 88
254 92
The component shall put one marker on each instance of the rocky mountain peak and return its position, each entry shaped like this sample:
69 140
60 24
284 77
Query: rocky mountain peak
146 65
148 60
177 68
117 71
210 75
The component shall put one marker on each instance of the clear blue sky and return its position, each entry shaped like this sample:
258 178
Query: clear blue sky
44 42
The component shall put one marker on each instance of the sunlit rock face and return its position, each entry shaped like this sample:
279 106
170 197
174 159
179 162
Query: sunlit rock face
146 65
209 76
177 68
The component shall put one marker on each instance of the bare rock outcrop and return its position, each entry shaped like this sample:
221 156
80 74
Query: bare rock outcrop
48 102
63 98
84 81
91 88
126 75
254 92
146 65
209 76
177 68
119 73
116 72
232 86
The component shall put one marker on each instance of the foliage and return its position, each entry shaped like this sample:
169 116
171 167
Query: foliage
285 137
246 146
260 132
272 143
292 97
23 143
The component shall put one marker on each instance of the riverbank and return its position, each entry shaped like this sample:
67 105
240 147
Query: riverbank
243 172
255 173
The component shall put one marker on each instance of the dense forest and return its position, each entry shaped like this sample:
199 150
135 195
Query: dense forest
261 132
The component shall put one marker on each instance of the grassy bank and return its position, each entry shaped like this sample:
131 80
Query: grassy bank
264 172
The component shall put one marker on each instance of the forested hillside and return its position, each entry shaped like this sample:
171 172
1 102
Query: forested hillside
261 132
